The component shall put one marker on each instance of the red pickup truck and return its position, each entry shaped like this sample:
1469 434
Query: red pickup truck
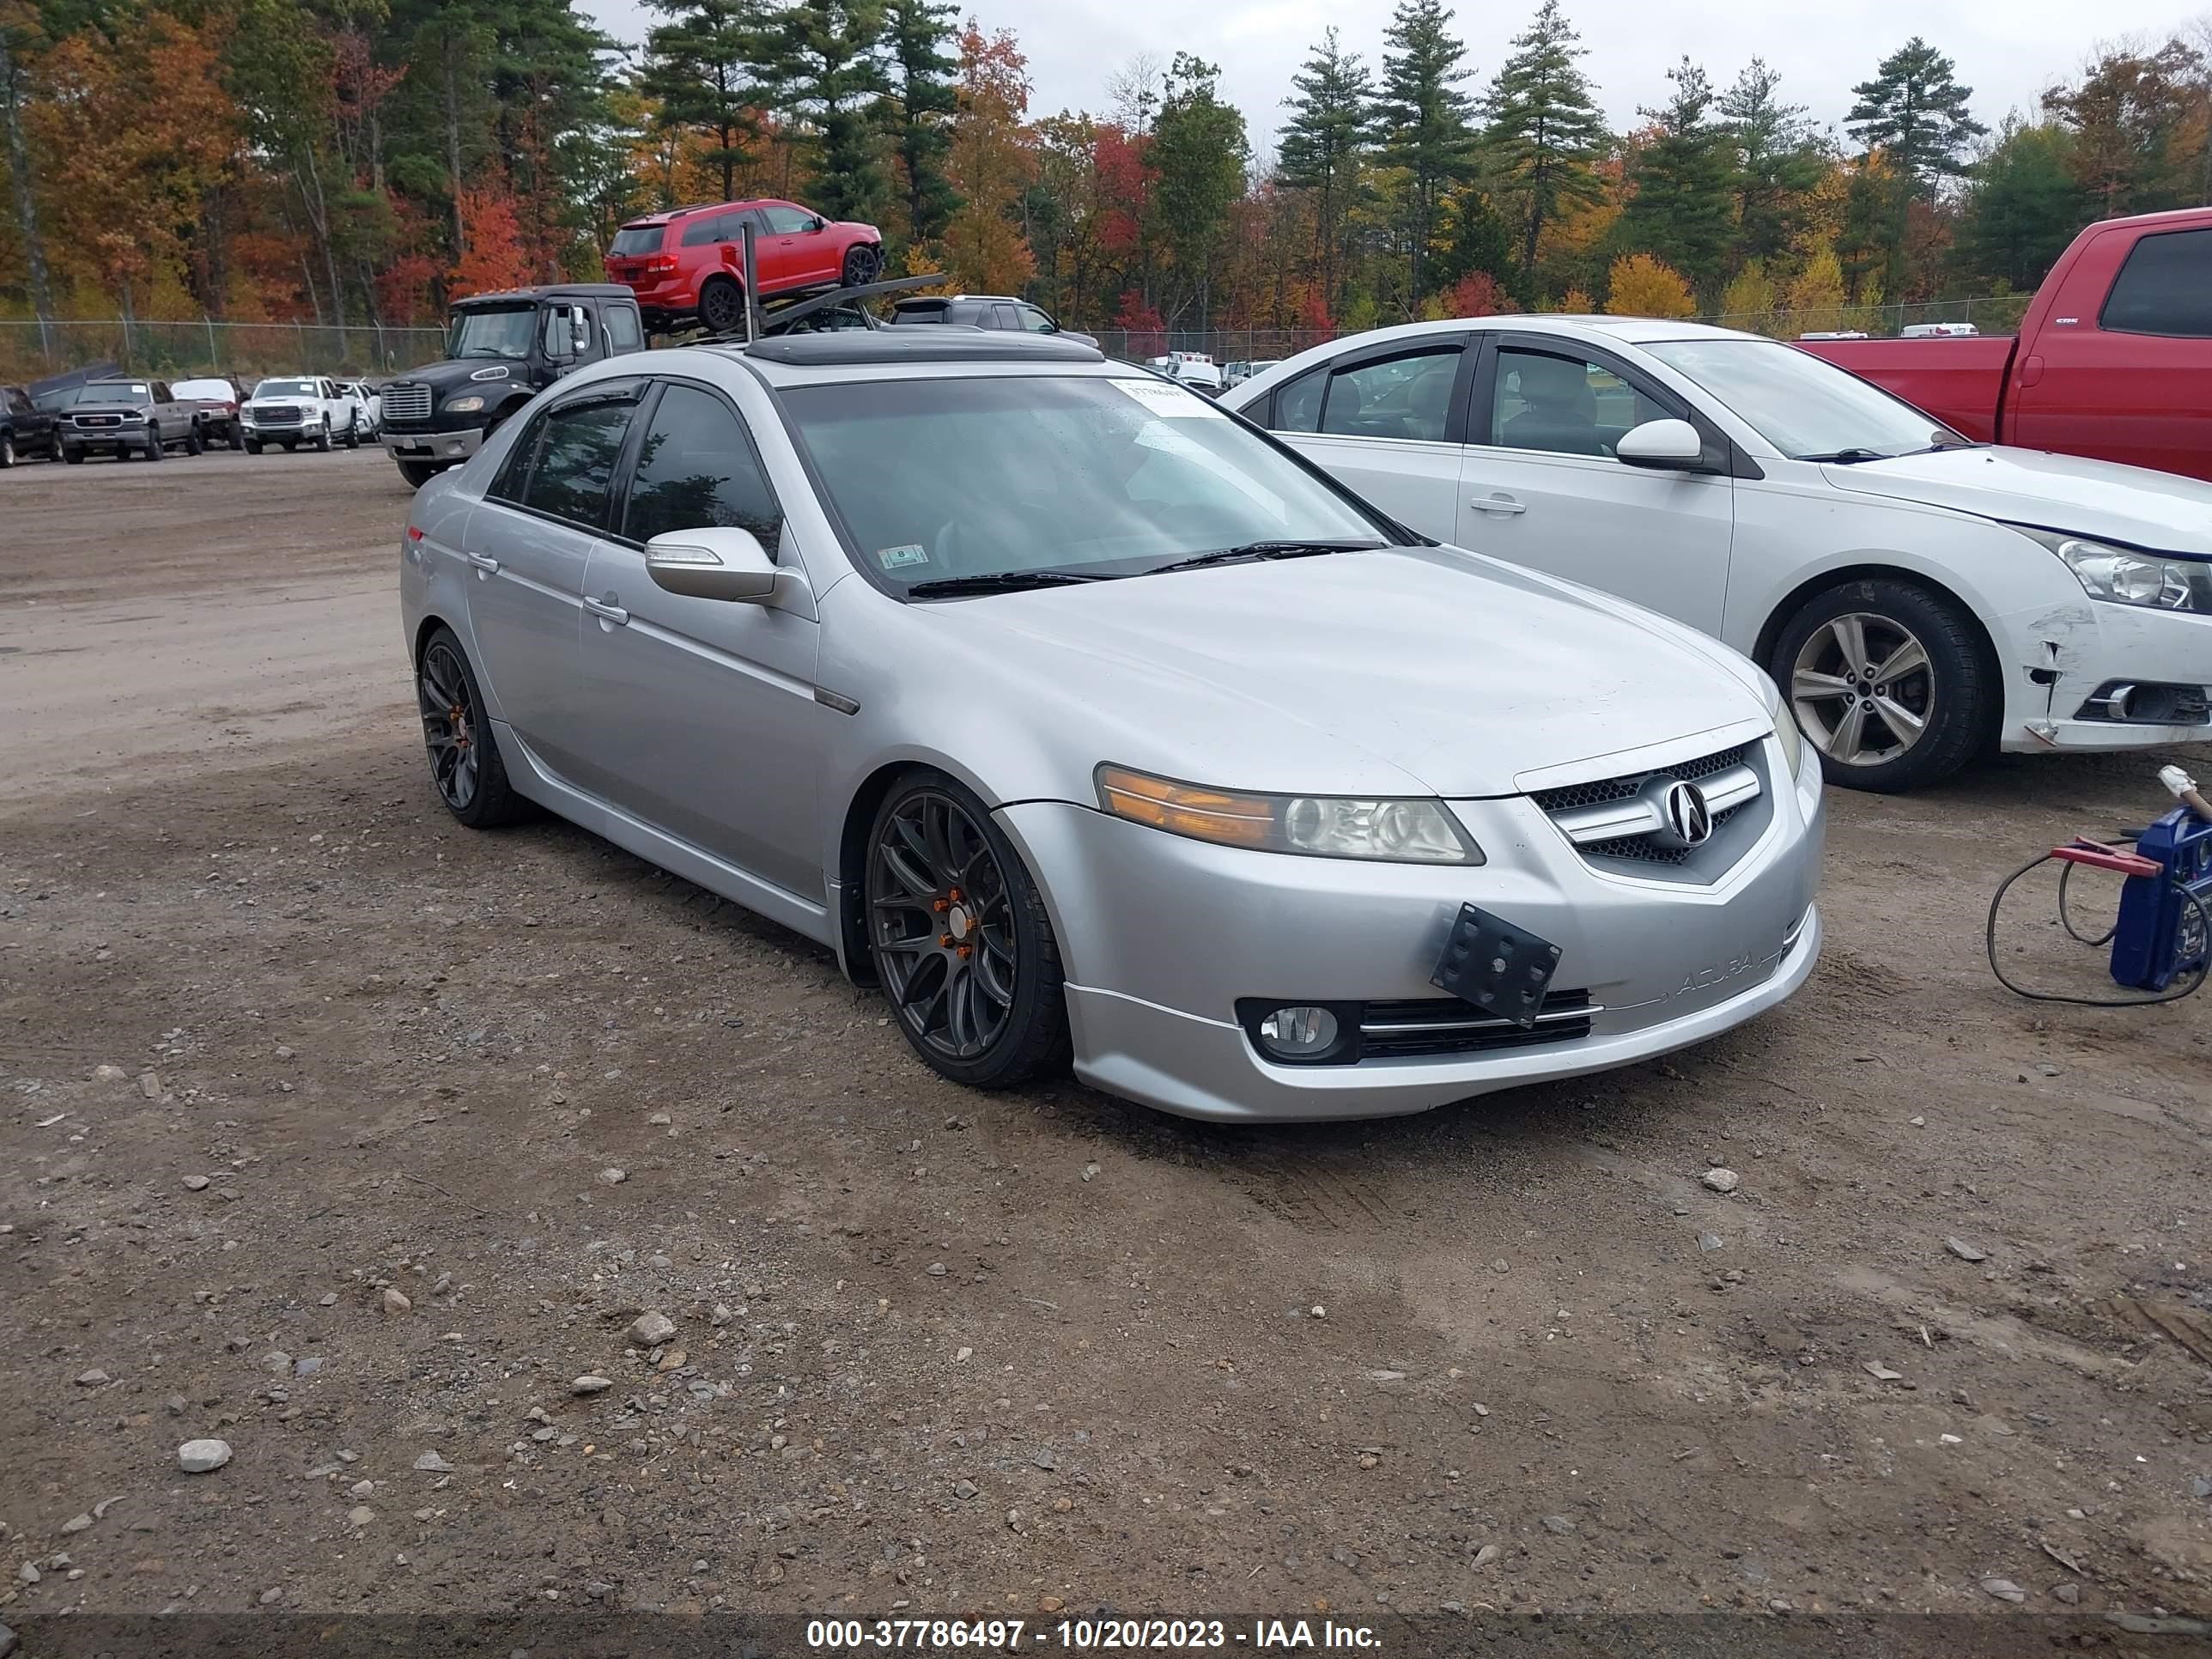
2112 360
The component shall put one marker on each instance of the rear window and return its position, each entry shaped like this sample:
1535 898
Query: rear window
2165 288
637 239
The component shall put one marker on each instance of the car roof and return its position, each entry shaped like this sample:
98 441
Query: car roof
548 291
669 215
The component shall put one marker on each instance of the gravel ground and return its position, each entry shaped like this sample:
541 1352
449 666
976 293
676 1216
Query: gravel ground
362 1144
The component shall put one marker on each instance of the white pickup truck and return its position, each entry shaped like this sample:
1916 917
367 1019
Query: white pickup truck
302 409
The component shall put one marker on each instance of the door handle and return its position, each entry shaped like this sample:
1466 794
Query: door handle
607 613
1504 505
489 566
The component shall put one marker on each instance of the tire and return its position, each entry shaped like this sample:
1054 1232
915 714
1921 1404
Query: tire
153 450
863 264
251 447
291 446
72 456
353 436
323 438
1939 675
721 306
417 473
193 445
465 767
984 1001
7 449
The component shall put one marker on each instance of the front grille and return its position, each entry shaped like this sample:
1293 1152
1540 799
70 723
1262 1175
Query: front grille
406 402
279 414
93 421
1613 789
1642 850
1423 1026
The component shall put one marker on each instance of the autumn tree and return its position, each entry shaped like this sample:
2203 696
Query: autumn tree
989 164
22 39
1426 121
920 108
2138 122
1638 285
1545 133
1325 143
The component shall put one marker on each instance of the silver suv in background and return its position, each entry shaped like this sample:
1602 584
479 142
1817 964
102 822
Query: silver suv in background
999 311
1095 726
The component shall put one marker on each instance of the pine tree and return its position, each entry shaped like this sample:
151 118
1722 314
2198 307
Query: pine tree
922 101
1684 210
1915 112
702 69
1779 161
1427 121
1545 131
828 75
2023 206
1325 143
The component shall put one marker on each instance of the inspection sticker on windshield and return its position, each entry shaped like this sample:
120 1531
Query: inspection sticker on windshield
898 558
1171 401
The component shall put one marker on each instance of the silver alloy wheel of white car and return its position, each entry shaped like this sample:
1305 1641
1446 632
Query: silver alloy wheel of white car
1862 689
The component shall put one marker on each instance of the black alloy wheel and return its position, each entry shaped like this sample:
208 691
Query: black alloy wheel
464 760
960 939
721 306
862 264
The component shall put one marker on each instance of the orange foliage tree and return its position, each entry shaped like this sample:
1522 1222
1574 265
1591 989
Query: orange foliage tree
1641 286
991 162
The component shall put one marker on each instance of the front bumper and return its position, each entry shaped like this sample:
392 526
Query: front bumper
1160 936
442 449
2059 656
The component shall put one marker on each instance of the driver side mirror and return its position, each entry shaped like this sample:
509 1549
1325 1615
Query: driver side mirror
716 562
1664 445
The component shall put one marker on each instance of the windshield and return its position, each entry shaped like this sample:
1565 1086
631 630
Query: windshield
115 392
638 239
210 390
492 334
285 389
1804 407
967 477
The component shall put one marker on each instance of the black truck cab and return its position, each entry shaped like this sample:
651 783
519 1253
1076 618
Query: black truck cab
502 349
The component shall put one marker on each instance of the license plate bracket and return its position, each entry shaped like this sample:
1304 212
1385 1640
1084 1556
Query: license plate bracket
1498 965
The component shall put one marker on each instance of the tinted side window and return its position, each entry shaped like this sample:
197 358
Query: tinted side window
2165 288
706 229
573 461
1002 316
696 467
622 328
1035 320
1406 397
787 220
1564 404
1297 405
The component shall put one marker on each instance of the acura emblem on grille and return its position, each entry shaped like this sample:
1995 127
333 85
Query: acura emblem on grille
1689 821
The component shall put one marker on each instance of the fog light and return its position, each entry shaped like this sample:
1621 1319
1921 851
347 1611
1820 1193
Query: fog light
1303 1032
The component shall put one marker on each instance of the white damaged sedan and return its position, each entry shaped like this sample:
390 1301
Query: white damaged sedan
1093 726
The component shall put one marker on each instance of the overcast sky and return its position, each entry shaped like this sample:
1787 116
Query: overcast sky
2008 51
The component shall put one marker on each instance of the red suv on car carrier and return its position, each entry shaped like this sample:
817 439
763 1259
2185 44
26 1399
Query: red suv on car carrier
689 262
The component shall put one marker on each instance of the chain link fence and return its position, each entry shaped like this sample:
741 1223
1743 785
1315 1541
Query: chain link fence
176 351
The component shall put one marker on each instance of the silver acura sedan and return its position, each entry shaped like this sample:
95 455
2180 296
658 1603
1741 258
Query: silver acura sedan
1093 725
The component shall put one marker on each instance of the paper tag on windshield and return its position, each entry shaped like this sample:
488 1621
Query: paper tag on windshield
1171 401
898 558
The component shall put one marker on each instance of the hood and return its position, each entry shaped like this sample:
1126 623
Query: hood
2097 499
1414 670
452 373
107 407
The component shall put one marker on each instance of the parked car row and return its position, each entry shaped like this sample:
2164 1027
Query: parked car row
131 416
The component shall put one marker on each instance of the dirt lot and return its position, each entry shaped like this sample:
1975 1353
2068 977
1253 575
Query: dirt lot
276 1036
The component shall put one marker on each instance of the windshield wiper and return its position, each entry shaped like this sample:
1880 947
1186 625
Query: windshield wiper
1255 550
1002 582
1850 457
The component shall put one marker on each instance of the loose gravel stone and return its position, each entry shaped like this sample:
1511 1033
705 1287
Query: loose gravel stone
202 1457
1722 1180
652 1328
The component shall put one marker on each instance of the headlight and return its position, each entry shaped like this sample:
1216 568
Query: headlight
2124 576
464 405
1785 727
1400 831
